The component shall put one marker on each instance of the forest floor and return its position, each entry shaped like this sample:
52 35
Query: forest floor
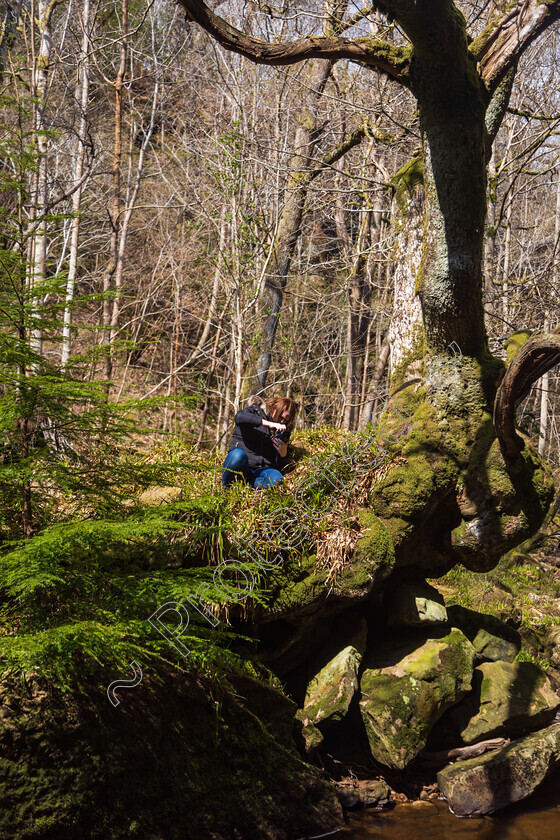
524 591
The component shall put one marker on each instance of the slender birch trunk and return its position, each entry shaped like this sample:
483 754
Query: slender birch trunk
82 97
115 212
545 381
42 18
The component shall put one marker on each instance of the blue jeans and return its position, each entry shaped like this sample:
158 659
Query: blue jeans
236 468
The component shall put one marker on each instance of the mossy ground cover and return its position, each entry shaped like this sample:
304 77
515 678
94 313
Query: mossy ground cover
75 598
192 751
523 590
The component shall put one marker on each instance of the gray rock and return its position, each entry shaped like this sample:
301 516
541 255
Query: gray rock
485 784
415 603
406 687
330 692
506 699
493 640
365 793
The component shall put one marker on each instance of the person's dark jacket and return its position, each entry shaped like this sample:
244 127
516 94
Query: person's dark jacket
256 440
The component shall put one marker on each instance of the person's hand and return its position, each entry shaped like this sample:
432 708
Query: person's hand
281 447
280 427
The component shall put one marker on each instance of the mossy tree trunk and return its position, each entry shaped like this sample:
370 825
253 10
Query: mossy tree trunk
449 281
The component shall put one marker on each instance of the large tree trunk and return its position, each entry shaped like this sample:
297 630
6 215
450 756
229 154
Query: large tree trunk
455 499
452 114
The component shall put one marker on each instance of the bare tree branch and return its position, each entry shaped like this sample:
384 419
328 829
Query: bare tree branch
373 52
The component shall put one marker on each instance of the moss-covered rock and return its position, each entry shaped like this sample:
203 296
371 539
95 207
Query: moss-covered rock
447 496
309 735
493 640
485 784
330 692
175 759
506 699
415 603
363 793
406 686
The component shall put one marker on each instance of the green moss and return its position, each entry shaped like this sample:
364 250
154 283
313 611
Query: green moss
451 454
172 760
407 179
330 692
457 658
375 544
396 56
297 584
515 342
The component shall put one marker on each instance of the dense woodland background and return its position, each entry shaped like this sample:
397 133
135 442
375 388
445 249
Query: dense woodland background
173 212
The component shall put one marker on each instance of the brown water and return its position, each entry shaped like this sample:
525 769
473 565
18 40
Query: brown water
537 818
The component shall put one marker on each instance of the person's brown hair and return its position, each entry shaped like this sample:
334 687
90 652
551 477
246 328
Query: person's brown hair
275 407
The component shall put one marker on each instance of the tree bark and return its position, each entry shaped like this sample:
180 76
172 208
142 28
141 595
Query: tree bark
82 99
537 356
38 240
115 211
8 28
357 321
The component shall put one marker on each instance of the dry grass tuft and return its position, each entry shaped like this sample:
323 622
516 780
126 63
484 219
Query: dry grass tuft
335 549
364 486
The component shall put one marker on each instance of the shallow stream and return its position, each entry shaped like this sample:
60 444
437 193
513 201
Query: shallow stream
537 818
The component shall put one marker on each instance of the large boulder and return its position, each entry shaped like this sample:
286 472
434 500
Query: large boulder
414 603
331 690
493 640
485 784
406 686
506 699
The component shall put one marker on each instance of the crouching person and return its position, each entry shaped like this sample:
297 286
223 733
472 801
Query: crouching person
258 448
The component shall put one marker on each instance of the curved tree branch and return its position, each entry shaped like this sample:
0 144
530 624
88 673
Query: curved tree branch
536 357
497 107
385 57
505 39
